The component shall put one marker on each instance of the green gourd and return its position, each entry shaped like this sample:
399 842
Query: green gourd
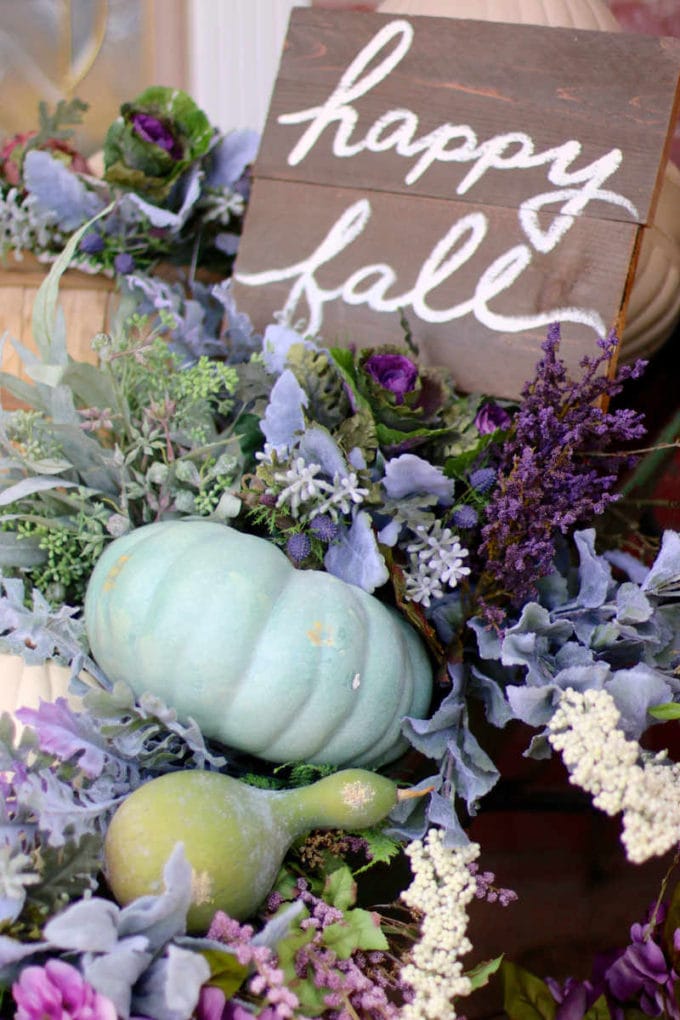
235 836
285 664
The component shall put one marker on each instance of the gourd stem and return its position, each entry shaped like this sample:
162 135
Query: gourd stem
411 792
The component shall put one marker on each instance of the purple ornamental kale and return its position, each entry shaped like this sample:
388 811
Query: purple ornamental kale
557 470
491 417
394 372
151 129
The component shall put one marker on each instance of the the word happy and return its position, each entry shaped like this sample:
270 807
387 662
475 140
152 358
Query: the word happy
570 190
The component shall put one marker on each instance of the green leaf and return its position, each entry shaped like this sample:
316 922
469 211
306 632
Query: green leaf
225 971
68 872
394 437
599 1010
479 975
19 552
671 710
48 375
89 384
381 848
360 929
340 890
526 997
344 359
46 300
22 390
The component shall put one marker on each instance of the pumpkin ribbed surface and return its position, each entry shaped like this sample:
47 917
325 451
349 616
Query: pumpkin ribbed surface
285 664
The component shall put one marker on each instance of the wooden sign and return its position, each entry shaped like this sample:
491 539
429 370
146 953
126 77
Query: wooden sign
483 179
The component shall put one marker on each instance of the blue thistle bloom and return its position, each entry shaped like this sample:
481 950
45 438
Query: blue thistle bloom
482 479
123 263
465 517
91 243
298 547
324 528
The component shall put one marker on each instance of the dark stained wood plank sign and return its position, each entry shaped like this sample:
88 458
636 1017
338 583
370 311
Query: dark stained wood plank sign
484 179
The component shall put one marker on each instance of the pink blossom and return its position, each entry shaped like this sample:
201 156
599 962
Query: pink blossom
58 991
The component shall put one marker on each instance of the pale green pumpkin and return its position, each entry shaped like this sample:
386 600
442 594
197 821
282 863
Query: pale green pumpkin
286 664
234 836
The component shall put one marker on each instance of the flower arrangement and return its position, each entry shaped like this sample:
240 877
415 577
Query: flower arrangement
169 199
470 517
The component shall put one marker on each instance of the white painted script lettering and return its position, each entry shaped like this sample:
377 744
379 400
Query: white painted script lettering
543 219
450 253
397 129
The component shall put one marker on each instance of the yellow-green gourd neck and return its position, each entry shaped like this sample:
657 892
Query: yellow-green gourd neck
350 799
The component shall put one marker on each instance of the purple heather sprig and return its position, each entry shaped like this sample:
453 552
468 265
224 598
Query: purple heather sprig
555 471
486 889
267 982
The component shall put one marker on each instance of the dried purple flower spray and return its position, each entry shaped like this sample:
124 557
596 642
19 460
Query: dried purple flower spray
557 471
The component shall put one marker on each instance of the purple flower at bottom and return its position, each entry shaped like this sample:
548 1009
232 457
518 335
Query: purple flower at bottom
394 372
151 129
642 974
58 991
213 1005
491 417
123 263
574 997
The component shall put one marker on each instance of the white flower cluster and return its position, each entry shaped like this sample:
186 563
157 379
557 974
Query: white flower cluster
304 485
24 227
441 888
603 762
220 206
436 559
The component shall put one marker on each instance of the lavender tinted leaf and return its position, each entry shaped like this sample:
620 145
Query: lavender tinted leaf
66 734
283 419
170 988
635 691
228 159
409 474
663 579
354 556
159 918
58 189
116 972
89 925
595 573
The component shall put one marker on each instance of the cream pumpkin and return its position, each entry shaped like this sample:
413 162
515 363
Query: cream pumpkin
654 306
23 686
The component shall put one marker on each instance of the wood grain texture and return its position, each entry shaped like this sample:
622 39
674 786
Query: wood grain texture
286 221
571 111
603 89
88 302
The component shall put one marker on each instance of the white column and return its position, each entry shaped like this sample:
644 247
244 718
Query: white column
234 50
